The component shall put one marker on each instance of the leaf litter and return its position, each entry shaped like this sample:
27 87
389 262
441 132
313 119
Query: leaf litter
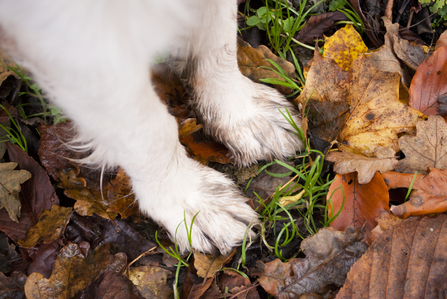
362 104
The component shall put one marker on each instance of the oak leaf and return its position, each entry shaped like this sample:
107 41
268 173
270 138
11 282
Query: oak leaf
428 193
344 46
366 167
329 256
407 261
10 181
362 204
73 272
428 90
427 149
48 228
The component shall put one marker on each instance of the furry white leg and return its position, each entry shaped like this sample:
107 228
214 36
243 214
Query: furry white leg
236 111
93 60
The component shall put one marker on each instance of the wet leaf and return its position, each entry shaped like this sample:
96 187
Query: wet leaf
428 90
362 203
110 285
427 149
344 47
427 196
407 261
317 25
73 272
366 167
48 229
207 265
122 200
151 281
249 61
12 287
10 181
330 255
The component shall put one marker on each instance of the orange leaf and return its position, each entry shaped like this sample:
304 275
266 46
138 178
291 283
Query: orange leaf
428 195
362 203
429 85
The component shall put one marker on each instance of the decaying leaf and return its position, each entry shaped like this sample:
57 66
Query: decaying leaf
428 90
151 281
73 271
207 265
330 255
344 47
122 200
359 108
6 62
206 150
427 149
362 204
48 229
188 127
88 201
317 25
407 261
428 193
231 282
10 181
249 61
366 167
12 286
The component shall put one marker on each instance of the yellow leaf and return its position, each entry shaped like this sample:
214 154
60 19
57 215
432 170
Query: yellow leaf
344 47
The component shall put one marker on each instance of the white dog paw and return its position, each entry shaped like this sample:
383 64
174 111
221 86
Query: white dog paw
248 122
222 216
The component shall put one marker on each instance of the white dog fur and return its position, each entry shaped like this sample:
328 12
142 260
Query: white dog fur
93 60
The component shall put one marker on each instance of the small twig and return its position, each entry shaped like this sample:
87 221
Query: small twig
140 256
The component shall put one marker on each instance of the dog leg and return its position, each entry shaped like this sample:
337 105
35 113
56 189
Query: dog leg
241 114
92 58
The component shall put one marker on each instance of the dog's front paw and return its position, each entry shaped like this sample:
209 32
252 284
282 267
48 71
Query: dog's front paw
220 212
248 121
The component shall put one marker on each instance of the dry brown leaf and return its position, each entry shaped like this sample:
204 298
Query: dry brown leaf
249 61
412 54
206 150
330 255
428 193
151 281
362 204
385 221
442 41
207 266
5 62
48 229
428 90
409 260
10 181
427 149
188 127
366 167
88 201
344 46
122 200
73 272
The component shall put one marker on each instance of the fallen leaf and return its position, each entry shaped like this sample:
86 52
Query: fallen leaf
232 283
12 287
385 221
207 265
407 261
428 193
188 127
427 149
110 285
43 258
10 181
362 204
344 47
8 254
366 167
330 255
442 40
370 23
319 24
428 90
121 197
48 228
205 150
151 281
73 272
249 61
412 54
194 286
88 201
